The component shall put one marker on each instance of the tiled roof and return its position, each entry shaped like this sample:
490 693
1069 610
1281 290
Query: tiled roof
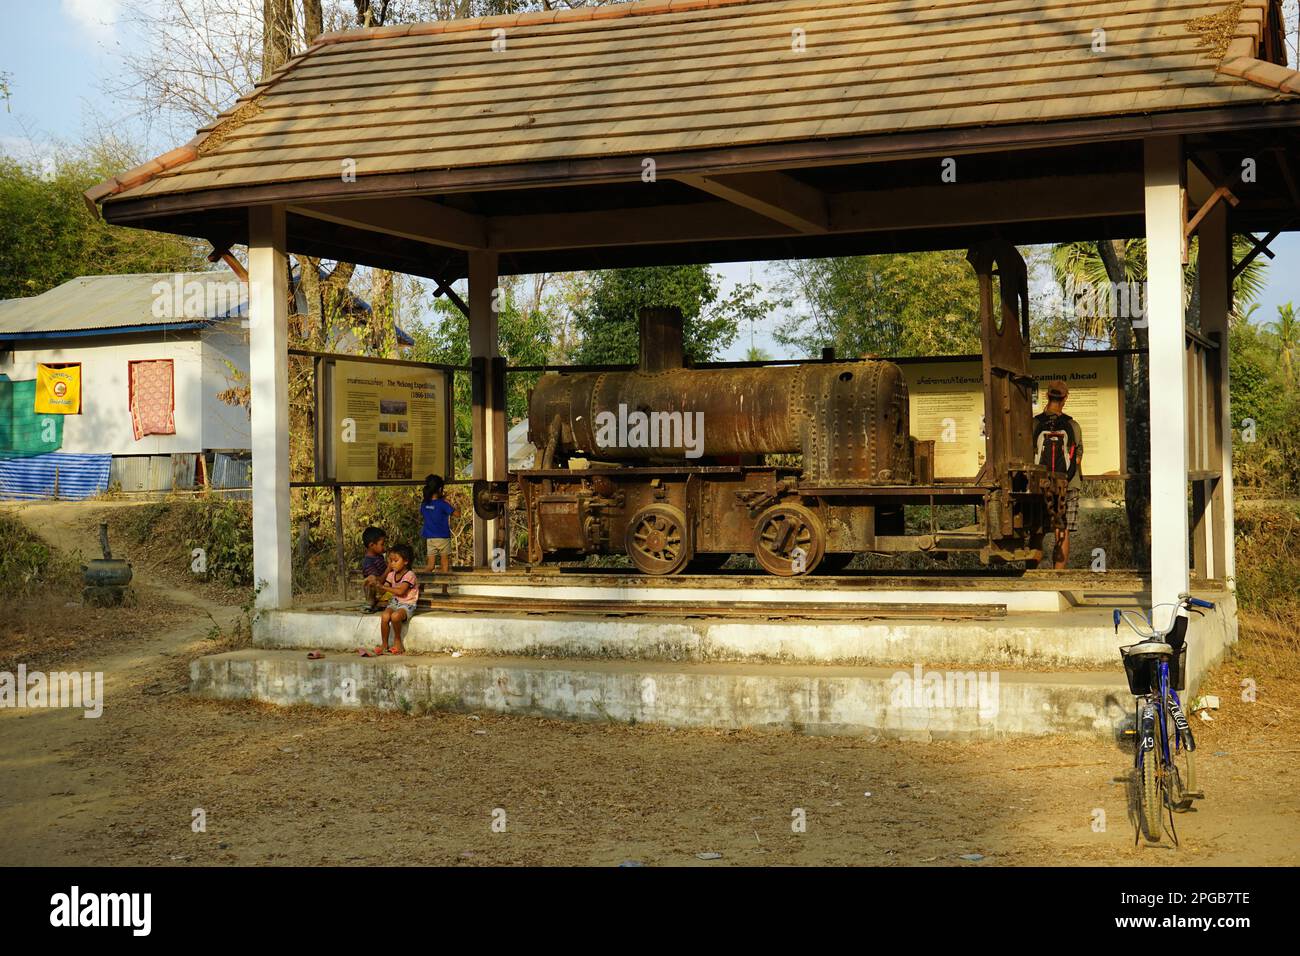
660 76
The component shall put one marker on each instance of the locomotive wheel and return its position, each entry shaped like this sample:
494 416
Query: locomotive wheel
657 540
781 533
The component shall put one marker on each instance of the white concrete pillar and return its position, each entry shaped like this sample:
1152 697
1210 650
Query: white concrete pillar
268 374
1214 273
490 452
1167 340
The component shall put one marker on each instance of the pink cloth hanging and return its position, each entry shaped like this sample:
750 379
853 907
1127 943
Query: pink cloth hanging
153 398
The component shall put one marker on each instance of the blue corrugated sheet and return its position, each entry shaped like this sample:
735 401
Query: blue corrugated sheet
67 476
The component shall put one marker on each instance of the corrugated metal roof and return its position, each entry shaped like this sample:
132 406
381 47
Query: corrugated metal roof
655 77
125 301
94 303
66 476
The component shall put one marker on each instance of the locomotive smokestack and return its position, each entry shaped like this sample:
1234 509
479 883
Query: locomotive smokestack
661 339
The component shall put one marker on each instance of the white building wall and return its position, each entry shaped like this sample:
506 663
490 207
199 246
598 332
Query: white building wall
225 365
104 425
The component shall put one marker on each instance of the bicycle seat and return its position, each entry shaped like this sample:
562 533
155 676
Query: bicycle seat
1148 647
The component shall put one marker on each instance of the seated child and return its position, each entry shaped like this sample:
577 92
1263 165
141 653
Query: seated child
404 589
374 565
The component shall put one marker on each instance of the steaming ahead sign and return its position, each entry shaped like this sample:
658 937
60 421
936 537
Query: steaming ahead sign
946 405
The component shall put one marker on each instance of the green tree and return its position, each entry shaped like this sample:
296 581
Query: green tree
891 305
607 320
1287 335
48 235
1264 408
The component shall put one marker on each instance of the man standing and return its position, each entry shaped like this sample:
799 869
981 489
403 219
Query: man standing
1058 441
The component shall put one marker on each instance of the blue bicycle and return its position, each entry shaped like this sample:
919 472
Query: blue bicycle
1156 668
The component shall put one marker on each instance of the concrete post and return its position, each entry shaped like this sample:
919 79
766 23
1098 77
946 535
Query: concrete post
490 450
1214 272
268 374
1167 340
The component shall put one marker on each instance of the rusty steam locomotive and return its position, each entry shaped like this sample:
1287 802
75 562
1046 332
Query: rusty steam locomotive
666 464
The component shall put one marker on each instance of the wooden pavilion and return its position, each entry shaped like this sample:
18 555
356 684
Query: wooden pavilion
677 131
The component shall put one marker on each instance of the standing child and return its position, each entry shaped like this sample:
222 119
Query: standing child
437 511
402 584
374 566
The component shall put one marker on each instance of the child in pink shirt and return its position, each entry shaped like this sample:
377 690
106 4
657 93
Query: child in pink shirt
403 588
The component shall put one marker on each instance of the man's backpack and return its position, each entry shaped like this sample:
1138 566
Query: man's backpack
1057 445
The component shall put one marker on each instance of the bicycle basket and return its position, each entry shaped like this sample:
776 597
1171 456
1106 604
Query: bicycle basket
1141 671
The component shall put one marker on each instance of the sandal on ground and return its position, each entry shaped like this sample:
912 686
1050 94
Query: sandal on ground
393 650
314 655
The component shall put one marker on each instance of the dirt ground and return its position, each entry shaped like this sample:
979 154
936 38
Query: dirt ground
310 787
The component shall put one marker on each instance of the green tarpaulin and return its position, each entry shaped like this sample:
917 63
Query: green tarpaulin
23 433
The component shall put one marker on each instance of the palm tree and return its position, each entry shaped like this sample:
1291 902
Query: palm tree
1287 332
1077 263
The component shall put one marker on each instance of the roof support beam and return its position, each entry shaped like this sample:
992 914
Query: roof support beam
630 227
268 379
1166 220
778 196
415 219
1053 197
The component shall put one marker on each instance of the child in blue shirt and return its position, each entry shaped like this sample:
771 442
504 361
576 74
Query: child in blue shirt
437 512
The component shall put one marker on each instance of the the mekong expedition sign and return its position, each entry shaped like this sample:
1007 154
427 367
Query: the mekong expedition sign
387 422
946 405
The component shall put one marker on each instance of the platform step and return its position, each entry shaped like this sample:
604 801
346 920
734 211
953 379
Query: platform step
913 703
1081 638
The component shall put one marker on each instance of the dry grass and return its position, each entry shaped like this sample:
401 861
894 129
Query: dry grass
1258 685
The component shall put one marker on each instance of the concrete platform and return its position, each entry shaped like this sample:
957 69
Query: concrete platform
1027 673
813 700
1080 638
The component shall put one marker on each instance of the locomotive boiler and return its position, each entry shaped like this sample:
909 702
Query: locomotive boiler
801 466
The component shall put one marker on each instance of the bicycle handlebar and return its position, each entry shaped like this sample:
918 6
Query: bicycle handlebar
1185 601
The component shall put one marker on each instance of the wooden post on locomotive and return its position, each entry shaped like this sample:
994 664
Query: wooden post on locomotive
1009 465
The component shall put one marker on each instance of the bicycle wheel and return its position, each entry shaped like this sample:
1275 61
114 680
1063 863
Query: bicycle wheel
1150 802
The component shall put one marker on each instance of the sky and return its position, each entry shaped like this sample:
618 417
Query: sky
60 54
57 54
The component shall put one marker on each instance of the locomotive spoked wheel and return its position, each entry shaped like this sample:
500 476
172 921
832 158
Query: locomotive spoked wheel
789 540
657 540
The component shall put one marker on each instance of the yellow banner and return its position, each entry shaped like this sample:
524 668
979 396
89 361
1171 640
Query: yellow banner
58 390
